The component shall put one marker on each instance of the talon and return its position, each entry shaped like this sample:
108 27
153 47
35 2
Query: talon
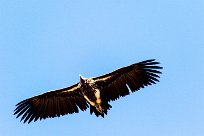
99 108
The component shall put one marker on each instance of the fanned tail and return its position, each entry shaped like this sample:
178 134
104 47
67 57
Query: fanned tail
104 106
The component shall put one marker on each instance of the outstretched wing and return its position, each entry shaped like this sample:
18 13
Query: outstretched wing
117 83
51 104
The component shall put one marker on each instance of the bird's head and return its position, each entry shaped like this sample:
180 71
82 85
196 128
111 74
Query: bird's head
85 82
82 79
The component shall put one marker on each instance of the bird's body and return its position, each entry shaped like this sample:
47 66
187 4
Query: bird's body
91 93
95 93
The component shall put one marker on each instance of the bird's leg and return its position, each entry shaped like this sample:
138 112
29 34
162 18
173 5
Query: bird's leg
97 95
98 101
95 104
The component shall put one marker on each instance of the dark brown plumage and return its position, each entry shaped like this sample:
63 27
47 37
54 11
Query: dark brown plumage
94 92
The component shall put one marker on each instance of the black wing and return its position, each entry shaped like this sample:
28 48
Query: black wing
133 77
51 104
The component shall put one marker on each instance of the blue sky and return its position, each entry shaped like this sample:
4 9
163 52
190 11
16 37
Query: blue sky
45 45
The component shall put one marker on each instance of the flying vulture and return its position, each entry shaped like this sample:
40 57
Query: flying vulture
94 92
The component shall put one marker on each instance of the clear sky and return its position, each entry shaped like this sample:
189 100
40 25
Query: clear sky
46 44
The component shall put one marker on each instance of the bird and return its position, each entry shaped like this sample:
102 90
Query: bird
94 93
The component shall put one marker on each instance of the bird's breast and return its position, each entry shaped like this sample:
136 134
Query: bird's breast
92 95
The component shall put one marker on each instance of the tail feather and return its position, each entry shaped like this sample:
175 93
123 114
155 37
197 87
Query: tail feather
105 108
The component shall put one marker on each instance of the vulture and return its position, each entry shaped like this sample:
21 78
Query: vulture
94 93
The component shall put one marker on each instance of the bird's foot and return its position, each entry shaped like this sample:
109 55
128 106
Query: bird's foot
99 108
